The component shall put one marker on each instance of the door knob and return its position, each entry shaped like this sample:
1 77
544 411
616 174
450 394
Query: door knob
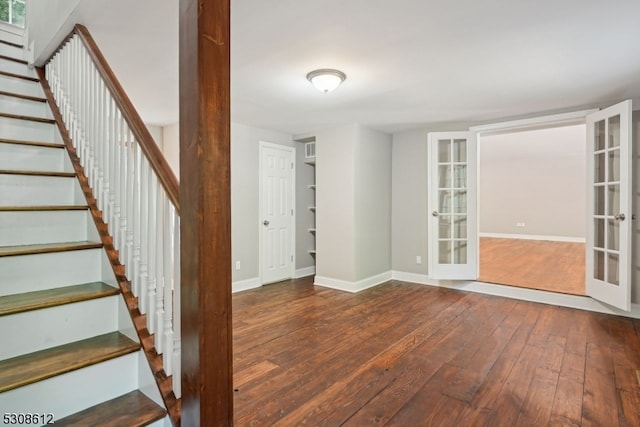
620 217
434 213
265 222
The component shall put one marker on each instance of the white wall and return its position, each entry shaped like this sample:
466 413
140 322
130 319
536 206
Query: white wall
635 252
171 146
536 177
47 23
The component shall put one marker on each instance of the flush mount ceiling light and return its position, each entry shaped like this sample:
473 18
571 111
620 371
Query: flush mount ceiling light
326 80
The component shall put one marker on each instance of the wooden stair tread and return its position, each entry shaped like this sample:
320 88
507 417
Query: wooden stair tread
28 118
11 58
47 248
133 409
21 96
19 76
33 143
39 173
20 303
18 45
43 208
30 368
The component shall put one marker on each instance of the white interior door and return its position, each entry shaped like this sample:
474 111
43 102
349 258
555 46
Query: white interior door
608 271
276 211
453 211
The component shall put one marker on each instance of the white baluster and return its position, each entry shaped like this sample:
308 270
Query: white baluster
152 247
168 286
161 281
177 343
136 219
144 237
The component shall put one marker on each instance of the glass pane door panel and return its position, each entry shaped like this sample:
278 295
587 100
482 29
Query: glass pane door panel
460 252
444 202
613 235
598 265
444 151
445 226
460 176
614 131
444 251
599 134
614 164
612 269
444 176
613 195
460 202
598 233
460 227
599 165
598 200
460 150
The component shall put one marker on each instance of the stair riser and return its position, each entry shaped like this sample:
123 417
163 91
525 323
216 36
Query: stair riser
24 190
11 51
40 329
26 130
75 391
26 273
24 107
21 86
12 35
17 67
34 227
33 158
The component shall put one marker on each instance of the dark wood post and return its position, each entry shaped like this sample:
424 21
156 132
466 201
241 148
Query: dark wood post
205 201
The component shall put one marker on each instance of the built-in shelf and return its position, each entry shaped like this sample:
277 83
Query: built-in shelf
310 161
312 208
311 230
312 252
311 186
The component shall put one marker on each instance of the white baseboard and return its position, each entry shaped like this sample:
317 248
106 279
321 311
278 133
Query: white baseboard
533 295
245 285
534 237
304 272
353 287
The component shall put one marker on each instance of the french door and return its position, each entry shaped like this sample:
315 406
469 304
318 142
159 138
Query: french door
608 248
453 216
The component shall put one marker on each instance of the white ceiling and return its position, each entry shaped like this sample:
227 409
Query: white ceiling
409 63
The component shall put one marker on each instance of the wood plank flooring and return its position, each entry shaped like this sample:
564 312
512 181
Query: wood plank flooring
402 354
535 264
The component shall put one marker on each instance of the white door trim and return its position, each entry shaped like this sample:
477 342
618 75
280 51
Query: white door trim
292 189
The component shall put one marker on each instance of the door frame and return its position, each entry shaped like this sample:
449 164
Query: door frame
292 188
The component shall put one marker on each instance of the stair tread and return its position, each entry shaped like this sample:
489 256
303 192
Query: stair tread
133 409
44 208
21 96
44 248
20 303
11 58
12 44
38 173
19 76
28 118
34 143
30 368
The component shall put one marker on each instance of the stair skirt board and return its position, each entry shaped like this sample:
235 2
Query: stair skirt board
29 157
25 129
26 190
77 390
17 84
64 324
52 270
36 227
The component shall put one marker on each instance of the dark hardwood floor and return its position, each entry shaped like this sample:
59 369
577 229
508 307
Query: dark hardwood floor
402 354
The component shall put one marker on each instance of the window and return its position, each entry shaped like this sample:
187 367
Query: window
13 12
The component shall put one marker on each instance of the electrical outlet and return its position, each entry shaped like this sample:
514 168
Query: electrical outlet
237 265
519 224
418 259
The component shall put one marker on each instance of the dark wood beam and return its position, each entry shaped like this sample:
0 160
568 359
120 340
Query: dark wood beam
207 396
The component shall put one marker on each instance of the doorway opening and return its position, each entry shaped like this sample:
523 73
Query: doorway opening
532 201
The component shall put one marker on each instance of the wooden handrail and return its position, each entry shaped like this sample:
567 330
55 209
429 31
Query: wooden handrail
156 159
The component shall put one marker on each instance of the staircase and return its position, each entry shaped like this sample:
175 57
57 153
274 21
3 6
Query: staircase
69 352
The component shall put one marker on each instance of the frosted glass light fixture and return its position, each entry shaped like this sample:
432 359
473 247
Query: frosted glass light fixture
326 80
